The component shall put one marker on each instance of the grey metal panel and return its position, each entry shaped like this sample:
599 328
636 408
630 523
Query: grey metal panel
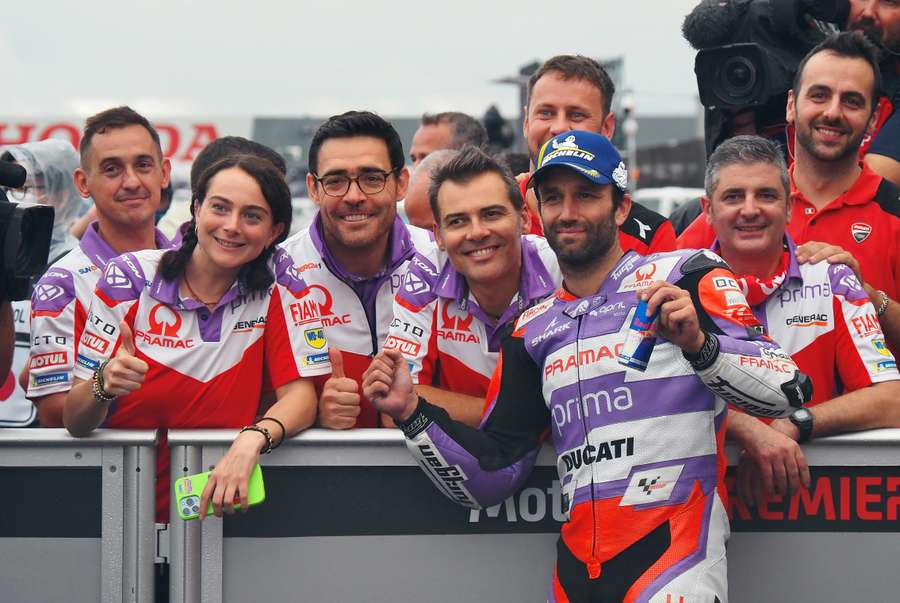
36 456
113 554
139 502
184 536
387 569
32 571
211 560
812 568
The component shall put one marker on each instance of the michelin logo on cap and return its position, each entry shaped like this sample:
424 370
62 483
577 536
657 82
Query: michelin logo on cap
589 153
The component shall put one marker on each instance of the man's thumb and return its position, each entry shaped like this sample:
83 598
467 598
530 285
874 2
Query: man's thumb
126 343
337 363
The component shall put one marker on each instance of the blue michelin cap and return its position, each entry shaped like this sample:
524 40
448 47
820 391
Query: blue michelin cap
591 155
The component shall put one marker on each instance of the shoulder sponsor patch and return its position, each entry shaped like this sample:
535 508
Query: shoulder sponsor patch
720 298
50 378
315 337
87 363
647 273
314 359
534 311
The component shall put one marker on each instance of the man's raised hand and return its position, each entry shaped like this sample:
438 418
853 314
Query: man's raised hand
388 384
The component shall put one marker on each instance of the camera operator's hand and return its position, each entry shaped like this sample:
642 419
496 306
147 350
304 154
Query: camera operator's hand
125 372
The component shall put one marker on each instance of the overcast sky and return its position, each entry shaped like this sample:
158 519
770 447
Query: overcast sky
262 57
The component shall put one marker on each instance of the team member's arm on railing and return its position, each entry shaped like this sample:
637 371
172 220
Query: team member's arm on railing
294 411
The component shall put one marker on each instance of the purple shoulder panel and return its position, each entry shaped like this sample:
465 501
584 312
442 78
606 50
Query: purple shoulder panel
123 279
844 283
419 282
54 291
286 273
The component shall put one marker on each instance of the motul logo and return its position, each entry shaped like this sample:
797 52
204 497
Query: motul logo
406 347
50 359
98 344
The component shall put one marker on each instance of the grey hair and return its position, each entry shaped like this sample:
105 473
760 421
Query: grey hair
746 150
432 161
465 129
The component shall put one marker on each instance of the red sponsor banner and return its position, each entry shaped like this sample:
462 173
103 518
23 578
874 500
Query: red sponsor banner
840 499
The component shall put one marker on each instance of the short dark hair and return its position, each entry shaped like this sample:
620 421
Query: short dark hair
255 275
745 150
577 67
464 129
470 163
850 45
113 119
352 124
232 145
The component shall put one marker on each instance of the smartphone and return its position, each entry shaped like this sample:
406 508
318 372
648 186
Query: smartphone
188 490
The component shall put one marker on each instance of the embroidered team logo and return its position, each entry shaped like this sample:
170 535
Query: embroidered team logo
860 231
166 324
116 278
414 284
315 337
46 293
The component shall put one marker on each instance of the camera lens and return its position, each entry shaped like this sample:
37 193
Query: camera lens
737 77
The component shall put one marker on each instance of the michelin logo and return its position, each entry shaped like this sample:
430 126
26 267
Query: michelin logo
87 363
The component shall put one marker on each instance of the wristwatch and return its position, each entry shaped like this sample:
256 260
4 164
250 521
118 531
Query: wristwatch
802 418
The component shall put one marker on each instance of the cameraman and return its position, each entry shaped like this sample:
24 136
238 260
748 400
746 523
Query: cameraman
880 21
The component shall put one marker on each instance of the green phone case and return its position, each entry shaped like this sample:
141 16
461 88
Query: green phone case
188 490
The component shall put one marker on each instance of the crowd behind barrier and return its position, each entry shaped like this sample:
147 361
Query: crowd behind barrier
349 517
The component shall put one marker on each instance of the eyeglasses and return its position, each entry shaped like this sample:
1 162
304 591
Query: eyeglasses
370 183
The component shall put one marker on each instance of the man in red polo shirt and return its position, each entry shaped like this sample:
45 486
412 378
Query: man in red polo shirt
575 93
838 200
817 312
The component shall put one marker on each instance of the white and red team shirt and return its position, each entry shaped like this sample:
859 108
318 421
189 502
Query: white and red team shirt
206 367
823 319
447 339
59 307
355 312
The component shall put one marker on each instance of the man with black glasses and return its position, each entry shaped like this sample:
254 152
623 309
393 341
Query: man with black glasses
354 254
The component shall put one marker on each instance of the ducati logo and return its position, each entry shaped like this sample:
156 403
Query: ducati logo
860 231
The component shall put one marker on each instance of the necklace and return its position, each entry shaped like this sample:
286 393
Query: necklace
193 293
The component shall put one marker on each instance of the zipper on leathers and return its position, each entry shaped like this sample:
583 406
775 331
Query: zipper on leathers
593 563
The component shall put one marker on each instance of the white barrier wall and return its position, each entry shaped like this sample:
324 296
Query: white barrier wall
348 517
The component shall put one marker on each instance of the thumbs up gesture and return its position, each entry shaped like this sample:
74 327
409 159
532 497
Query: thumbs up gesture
125 372
339 404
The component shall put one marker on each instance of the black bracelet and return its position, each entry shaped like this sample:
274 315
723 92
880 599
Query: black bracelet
416 423
280 424
268 447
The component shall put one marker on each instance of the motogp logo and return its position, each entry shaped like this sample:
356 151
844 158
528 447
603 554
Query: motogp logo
116 278
47 293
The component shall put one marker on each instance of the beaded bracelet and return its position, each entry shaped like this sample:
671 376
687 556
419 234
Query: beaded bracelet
268 447
280 424
97 389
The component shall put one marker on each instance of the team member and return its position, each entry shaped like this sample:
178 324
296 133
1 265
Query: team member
818 313
449 319
205 321
642 474
575 93
416 205
448 130
880 21
123 169
837 200
355 252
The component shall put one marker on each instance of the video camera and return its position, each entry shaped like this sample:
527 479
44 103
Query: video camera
749 51
25 231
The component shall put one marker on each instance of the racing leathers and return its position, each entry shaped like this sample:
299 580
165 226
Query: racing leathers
640 454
